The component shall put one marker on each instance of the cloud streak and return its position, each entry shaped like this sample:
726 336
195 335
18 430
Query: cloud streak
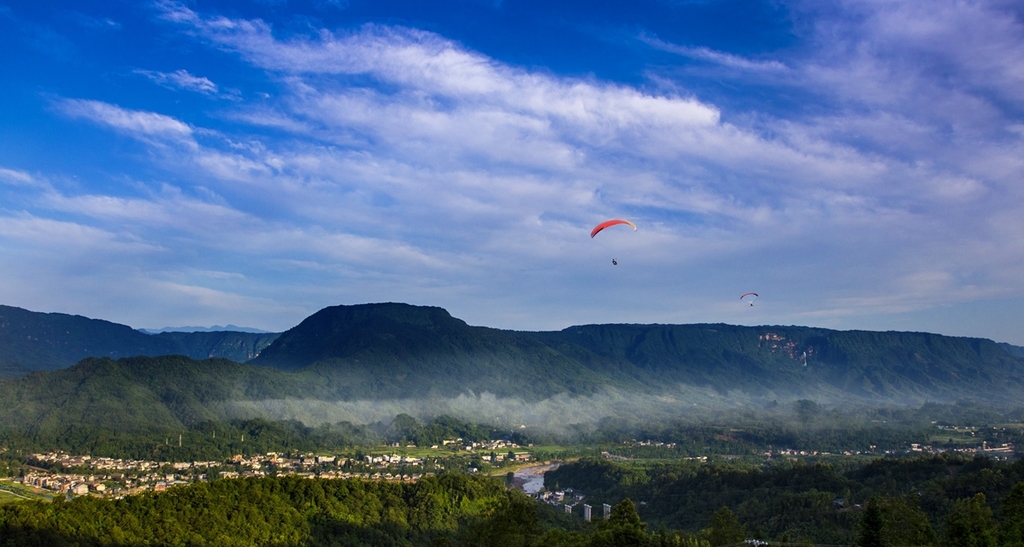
725 60
181 79
149 126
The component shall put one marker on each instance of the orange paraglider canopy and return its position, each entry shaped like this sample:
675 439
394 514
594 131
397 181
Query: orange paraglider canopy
608 223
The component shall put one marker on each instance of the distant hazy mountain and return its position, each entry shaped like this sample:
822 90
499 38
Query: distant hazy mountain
1015 351
215 328
46 341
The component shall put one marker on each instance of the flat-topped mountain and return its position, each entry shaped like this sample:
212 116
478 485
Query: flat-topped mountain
402 351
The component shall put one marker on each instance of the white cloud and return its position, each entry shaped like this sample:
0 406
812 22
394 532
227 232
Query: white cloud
181 79
15 177
137 123
727 60
64 237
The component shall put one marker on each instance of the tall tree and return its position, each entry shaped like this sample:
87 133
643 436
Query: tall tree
905 523
1012 532
725 528
622 529
870 532
971 524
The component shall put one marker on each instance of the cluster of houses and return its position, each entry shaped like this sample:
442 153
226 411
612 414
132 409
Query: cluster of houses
498 447
75 485
999 451
115 484
118 477
100 464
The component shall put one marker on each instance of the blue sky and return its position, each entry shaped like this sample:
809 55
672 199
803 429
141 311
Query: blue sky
859 163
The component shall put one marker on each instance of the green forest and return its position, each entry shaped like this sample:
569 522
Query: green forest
448 510
941 500
933 501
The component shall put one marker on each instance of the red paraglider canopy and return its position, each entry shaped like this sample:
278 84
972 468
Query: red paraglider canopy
748 294
608 223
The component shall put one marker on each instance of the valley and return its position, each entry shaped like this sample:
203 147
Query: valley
701 432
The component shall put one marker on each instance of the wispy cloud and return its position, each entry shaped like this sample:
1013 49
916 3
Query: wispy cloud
17 178
711 56
181 79
89 21
150 126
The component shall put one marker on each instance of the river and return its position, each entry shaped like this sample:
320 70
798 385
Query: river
530 479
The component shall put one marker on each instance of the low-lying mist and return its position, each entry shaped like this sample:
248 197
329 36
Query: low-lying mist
688 402
564 414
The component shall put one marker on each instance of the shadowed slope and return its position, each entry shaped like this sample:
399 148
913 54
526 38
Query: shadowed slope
32 341
398 350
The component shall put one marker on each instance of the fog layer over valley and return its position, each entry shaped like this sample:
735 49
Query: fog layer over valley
551 413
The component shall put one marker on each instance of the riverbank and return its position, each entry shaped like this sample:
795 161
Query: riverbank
530 479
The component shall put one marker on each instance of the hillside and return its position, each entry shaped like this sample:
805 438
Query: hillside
139 394
48 341
401 350
795 360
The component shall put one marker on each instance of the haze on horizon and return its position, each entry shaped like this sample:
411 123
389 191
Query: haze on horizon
212 162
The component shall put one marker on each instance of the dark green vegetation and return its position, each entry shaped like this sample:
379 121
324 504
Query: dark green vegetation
939 500
447 510
47 341
931 501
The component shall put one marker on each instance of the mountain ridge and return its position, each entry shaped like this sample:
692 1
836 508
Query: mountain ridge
399 351
31 341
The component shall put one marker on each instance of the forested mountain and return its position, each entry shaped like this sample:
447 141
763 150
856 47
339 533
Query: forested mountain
48 341
1016 351
398 352
403 350
804 360
138 394
233 345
